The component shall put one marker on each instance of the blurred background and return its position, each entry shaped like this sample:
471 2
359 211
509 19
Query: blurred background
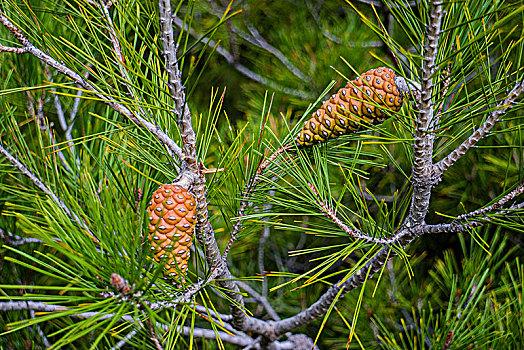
276 58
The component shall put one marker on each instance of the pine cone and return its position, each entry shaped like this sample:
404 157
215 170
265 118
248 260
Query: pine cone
172 218
353 107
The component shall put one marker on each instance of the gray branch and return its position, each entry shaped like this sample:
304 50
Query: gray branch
191 175
38 183
256 39
261 299
17 50
186 331
181 109
17 240
117 49
481 132
424 137
110 101
330 213
124 340
241 68
67 126
420 201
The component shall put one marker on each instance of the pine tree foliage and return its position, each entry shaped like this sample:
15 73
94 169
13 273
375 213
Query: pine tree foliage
405 235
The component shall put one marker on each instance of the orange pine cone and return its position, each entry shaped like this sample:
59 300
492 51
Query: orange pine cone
172 218
359 103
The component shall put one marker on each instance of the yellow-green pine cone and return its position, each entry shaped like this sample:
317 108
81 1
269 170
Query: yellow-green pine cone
172 218
359 103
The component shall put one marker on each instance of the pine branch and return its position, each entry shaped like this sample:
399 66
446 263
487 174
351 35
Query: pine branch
117 49
16 50
481 132
181 109
241 68
43 187
12 240
124 340
330 213
237 227
423 146
192 178
250 188
40 332
400 239
462 223
192 175
185 330
256 39
79 80
453 227
497 205
321 306
261 299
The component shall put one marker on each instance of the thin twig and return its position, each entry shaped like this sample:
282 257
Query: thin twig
63 123
449 338
241 68
154 337
256 39
17 50
67 126
465 224
250 188
238 225
330 213
261 299
60 113
314 13
120 108
40 119
259 41
11 239
497 205
186 331
38 183
481 132
261 247
117 49
124 340
56 149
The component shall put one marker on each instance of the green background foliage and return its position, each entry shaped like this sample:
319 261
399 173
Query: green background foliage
275 62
